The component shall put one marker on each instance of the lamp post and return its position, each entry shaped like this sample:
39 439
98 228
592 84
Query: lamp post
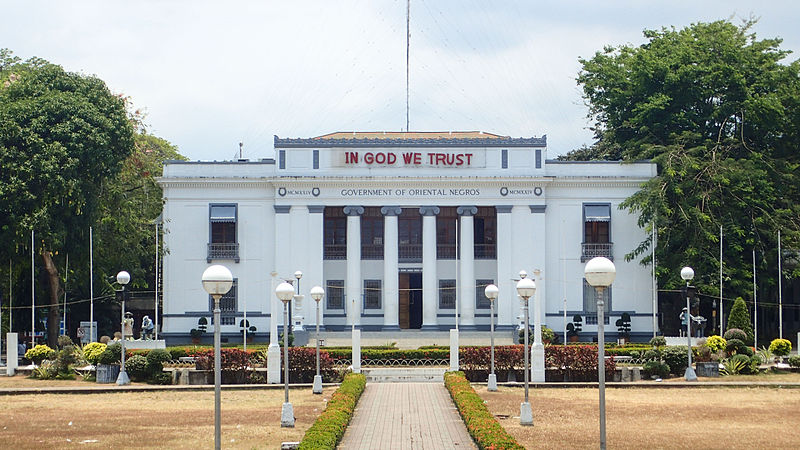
297 297
687 273
600 273
123 278
317 293
526 288
285 292
491 292
217 281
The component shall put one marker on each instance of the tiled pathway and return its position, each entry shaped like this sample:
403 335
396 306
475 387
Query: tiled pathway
406 416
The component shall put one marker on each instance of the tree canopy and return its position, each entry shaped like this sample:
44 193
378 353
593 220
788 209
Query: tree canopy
718 110
74 156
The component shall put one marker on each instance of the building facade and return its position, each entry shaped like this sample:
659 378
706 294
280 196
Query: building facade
403 231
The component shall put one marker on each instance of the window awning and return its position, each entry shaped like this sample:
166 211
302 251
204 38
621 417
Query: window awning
223 213
597 213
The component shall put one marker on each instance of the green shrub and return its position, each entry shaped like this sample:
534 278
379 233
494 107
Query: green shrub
658 341
794 361
64 341
676 358
177 352
160 378
111 355
64 360
328 429
737 347
716 343
652 355
735 333
92 351
481 424
156 359
136 366
656 368
740 318
39 353
742 362
780 347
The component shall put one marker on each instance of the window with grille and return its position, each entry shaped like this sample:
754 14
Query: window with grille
372 294
481 301
281 159
334 229
447 294
372 233
485 233
590 300
228 303
316 159
504 159
446 225
334 294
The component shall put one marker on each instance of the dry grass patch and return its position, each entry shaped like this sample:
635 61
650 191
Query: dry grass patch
163 419
653 418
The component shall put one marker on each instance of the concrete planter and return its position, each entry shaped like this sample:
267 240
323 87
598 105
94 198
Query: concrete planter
107 373
707 369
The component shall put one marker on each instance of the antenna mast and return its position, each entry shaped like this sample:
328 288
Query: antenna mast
408 47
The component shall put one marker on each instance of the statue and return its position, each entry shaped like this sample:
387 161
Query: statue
127 327
147 328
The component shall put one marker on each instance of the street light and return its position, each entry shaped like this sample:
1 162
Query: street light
285 291
317 293
297 297
687 273
600 273
526 288
491 292
123 278
217 281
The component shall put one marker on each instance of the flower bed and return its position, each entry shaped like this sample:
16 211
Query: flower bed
329 427
481 424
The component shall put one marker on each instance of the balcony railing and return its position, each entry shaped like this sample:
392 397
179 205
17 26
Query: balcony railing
591 319
371 251
592 250
410 252
228 250
335 251
485 251
446 251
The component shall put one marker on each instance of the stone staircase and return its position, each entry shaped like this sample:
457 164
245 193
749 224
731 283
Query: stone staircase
404 374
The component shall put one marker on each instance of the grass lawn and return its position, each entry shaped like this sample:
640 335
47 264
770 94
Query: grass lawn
163 419
653 418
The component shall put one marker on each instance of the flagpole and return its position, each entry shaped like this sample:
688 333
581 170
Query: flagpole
91 288
755 303
780 297
655 287
721 309
66 279
33 296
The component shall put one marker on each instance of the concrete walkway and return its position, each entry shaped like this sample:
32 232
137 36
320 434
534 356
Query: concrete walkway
406 416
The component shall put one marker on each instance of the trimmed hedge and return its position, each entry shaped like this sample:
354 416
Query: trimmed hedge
329 427
481 424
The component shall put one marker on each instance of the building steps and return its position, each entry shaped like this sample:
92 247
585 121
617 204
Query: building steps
404 374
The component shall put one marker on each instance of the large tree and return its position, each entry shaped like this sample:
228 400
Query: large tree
719 111
62 135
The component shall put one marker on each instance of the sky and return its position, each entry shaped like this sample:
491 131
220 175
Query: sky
212 74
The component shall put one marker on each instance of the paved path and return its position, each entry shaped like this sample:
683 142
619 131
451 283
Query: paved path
406 416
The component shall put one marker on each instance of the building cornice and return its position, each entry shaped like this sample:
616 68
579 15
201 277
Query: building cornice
421 142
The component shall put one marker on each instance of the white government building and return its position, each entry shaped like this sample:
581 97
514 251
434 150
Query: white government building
403 231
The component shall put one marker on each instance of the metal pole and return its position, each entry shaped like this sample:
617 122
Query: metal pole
601 363
317 338
122 379
655 287
491 329
91 288
217 375
33 297
285 353
457 277
780 297
66 278
721 309
525 349
156 296
690 374
755 303
10 299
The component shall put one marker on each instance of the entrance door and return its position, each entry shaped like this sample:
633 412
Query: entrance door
410 300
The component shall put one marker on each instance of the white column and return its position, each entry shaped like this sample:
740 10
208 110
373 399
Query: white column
391 294
315 276
282 247
11 353
507 298
430 279
539 301
353 282
467 275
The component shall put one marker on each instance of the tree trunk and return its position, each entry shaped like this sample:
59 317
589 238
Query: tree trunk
54 284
